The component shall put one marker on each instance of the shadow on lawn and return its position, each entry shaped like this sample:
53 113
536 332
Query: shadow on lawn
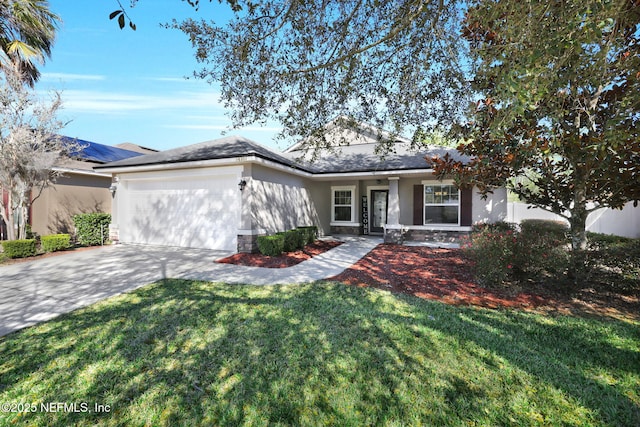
181 352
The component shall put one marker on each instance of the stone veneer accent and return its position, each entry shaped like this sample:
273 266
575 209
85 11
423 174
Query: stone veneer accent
441 236
248 243
335 229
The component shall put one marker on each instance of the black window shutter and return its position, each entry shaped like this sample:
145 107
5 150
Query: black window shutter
465 206
418 204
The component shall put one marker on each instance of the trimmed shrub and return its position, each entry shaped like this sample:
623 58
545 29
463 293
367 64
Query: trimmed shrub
92 228
493 251
616 257
19 248
309 234
271 245
494 227
543 248
293 240
599 240
55 242
503 254
543 227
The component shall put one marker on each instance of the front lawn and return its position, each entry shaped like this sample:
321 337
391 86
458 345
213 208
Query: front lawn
194 353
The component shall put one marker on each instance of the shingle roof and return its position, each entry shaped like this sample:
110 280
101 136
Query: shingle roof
363 158
353 158
99 153
225 148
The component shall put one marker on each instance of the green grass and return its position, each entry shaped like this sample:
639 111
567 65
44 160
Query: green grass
193 353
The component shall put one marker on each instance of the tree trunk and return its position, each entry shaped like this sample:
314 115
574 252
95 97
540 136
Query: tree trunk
578 233
578 230
9 218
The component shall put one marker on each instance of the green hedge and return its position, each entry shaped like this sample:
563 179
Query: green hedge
19 248
309 234
55 242
543 227
271 245
92 228
287 241
293 240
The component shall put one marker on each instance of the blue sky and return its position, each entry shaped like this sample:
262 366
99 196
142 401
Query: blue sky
129 86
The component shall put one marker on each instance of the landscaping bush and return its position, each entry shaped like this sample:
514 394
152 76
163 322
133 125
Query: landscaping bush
271 245
614 259
92 228
309 233
493 250
293 240
496 227
543 227
55 242
503 254
543 248
19 248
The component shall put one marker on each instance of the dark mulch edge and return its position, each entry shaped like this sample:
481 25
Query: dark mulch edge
285 260
446 275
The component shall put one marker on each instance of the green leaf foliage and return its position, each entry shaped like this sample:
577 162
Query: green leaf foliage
558 92
55 242
304 63
293 240
19 248
271 245
309 233
92 228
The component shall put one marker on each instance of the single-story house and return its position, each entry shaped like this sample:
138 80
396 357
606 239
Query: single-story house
80 189
222 194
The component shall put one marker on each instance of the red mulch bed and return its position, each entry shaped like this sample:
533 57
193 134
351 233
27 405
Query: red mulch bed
285 260
446 275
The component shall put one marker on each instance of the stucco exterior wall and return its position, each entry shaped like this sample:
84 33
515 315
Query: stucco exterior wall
493 209
279 201
73 194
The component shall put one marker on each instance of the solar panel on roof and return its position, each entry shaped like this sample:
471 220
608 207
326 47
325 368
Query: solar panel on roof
100 153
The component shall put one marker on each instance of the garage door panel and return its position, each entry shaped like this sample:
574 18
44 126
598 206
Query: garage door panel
200 214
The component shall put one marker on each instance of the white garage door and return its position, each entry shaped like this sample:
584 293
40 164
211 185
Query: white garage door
195 212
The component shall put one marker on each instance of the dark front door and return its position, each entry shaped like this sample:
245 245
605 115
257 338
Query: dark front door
379 199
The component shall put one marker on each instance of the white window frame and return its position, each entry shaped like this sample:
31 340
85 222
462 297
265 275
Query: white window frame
352 189
425 204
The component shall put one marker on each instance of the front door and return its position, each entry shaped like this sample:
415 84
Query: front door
379 199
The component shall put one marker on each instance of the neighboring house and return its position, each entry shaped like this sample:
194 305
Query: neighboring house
222 194
80 189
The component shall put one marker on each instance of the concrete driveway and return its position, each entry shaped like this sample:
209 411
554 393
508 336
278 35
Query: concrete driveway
35 291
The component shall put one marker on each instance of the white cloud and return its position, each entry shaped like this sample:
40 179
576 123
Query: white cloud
89 101
71 77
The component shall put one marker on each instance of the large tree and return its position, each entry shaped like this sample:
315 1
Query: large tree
29 149
555 84
558 86
27 32
304 63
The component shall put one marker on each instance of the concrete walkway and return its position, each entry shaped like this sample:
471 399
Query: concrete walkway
35 291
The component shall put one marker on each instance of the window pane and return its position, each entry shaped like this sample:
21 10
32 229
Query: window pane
441 215
440 195
428 198
342 197
342 213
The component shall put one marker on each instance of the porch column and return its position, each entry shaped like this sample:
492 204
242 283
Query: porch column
393 210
